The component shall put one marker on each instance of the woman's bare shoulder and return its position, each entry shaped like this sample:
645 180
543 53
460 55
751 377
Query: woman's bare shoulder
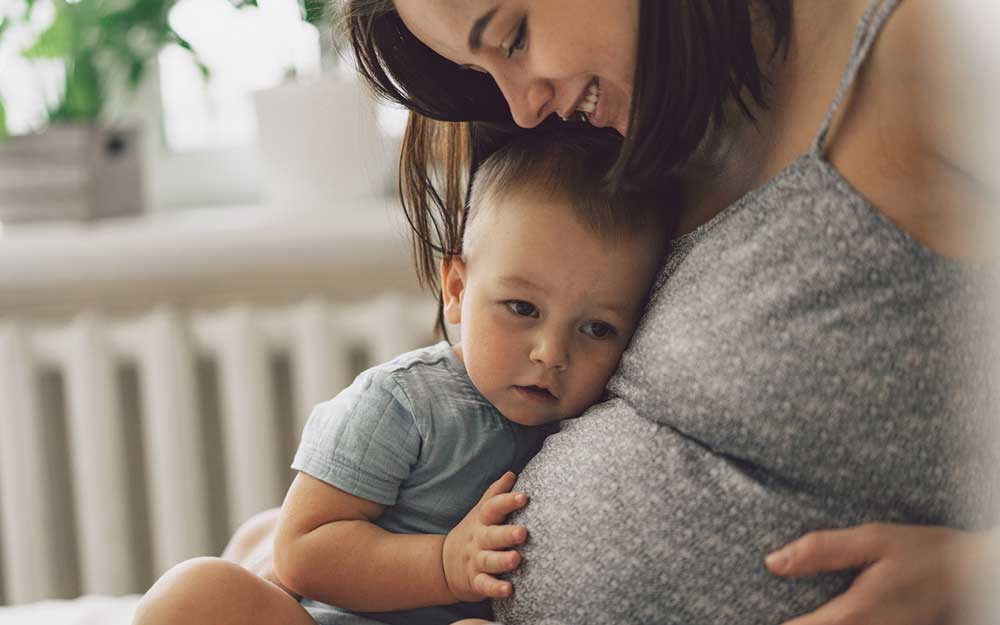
911 135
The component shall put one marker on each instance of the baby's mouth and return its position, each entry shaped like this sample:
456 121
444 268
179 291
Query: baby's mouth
537 392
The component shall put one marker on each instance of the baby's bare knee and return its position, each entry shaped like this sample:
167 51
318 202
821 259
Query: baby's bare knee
200 590
251 535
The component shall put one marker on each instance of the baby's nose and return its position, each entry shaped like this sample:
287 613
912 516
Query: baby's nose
551 351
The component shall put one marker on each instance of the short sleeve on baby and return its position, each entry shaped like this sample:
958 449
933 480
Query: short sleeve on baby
364 441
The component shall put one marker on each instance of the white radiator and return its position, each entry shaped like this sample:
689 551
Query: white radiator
130 444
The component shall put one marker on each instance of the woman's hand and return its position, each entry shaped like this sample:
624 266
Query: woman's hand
908 575
479 547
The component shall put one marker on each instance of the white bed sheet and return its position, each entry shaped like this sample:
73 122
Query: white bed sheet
86 610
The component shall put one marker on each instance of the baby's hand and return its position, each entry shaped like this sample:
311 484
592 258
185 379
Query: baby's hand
479 547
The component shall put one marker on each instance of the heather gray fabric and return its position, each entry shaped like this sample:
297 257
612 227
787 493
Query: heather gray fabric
416 436
803 364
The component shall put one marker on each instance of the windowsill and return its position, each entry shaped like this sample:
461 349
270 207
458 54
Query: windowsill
202 256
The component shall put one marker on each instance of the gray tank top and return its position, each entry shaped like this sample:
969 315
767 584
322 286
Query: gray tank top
803 364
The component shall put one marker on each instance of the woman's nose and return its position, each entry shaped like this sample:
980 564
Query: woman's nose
551 350
529 100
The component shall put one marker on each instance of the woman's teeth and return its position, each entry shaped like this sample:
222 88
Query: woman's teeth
589 103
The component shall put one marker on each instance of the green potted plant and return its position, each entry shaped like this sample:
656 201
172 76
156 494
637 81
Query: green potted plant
319 137
78 167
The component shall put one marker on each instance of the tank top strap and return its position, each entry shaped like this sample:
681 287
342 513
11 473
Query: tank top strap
871 24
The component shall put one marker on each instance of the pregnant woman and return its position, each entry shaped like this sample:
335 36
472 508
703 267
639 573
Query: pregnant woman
815 356
811 379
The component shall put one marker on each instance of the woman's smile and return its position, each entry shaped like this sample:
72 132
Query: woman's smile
571 58
586 103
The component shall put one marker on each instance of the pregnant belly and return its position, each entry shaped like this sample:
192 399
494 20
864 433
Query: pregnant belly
631 522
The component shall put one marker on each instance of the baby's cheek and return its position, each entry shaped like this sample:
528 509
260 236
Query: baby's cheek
489 362
592 386
606 368
614 356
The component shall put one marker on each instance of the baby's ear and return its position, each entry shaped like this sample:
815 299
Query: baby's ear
453 287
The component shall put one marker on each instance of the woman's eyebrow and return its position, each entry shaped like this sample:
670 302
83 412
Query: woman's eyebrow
476 33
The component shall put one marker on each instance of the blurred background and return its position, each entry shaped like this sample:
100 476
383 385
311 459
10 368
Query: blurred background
199 240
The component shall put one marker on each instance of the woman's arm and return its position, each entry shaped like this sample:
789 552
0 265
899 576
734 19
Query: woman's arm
328 548
908 575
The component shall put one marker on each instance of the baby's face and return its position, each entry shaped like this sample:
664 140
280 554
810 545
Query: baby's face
546 307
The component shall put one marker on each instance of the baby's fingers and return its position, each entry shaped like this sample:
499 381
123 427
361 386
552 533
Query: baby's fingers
497 561
503 485
496 537
491 587
495 509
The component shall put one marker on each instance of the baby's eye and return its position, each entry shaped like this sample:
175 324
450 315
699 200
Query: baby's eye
522 308
598 330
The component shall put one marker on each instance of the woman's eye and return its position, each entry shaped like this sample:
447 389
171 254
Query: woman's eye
522 308
520 38
598 330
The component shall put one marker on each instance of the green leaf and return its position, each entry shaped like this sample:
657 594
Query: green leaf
3 122
315 11
84 95
135 73
181 41
56 42
144 14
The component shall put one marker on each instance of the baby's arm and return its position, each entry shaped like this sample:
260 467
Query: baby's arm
328 549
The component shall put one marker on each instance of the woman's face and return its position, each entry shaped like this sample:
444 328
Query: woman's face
547 56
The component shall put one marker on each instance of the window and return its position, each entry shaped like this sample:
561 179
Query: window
29 88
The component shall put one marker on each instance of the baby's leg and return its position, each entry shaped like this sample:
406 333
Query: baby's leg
252 546
213 591
254 535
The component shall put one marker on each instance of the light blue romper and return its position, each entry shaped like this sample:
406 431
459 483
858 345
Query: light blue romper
416 436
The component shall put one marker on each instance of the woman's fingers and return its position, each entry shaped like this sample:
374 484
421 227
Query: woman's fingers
497 537
843 609
910 575
497 561
491 587
830 550
494 510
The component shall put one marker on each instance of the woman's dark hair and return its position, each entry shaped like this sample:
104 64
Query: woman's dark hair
693 57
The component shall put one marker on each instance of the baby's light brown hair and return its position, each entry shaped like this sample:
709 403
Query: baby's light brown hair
571 167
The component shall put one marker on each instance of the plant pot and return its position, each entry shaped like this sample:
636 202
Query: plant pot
320 145
71 171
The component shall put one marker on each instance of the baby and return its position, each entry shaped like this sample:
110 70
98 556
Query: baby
397 513
387 516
